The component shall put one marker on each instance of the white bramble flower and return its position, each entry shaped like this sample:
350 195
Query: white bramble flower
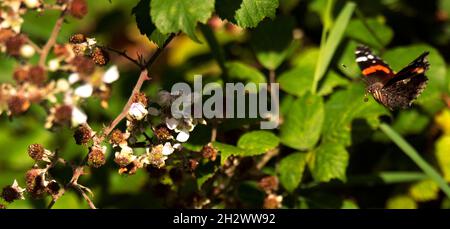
137 111
12 21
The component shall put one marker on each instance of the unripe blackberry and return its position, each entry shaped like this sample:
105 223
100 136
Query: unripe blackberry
20 75
82 134
37 75
53 188
269 183
14 44
63 114
83 65
162 133
117 137
35 182
96 156
36 151
100 57
193 164
140 98
209 152
78 8
60 50
12 192
18 104
6 34
273 201
77 38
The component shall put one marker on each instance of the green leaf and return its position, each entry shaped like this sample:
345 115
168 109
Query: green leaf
437 83
243 72
297 81
329 161
145 25
345 106
291 170
227 150
251 12
328 48
257 142
424 190
443 155
143 20
303 124
358 31
401 202
171 16
272 41
204 172
332 80
402 124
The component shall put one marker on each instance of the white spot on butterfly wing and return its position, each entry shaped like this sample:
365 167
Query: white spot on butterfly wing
361 59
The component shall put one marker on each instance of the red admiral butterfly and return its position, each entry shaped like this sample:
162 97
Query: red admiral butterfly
393 90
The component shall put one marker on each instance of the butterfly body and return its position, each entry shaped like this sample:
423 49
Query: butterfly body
393 90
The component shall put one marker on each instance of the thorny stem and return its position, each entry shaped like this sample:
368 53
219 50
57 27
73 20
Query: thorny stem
126 56
52 39
142 78
79 170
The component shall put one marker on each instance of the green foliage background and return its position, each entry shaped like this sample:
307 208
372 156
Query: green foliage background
335 150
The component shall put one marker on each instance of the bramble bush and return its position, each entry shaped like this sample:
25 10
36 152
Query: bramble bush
87 118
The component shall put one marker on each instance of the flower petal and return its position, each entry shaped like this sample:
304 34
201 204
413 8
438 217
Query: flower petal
78 117
111 75
183 136
171 123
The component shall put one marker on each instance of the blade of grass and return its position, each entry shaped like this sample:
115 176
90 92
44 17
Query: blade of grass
412 153
383 178
330 43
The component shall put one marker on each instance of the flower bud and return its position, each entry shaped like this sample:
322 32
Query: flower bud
27 51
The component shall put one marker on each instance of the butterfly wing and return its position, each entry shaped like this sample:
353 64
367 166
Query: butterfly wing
401 93
416 67
372 66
